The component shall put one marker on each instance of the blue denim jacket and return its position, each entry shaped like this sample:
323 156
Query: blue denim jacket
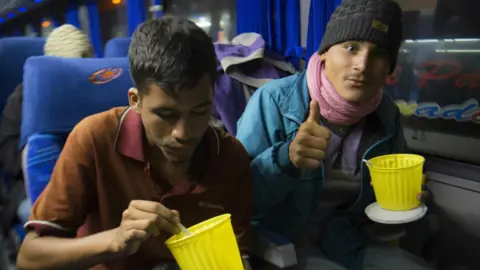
285 198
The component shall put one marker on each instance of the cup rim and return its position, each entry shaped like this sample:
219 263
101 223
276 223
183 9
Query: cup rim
421 161
218 220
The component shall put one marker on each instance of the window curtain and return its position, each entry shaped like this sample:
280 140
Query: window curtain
278 21
135 14
320 11
94 28
71 16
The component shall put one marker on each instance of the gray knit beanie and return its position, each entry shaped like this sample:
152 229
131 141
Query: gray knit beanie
377 21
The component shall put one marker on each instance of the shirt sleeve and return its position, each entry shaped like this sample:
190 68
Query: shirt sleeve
62 207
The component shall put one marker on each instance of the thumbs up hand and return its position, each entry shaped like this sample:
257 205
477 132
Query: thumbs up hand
307 150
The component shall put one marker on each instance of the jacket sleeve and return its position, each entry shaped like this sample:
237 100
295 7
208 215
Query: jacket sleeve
10 123
261 131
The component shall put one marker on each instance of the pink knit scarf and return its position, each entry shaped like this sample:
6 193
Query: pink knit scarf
333 107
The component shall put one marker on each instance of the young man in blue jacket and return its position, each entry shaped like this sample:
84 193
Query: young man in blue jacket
308 134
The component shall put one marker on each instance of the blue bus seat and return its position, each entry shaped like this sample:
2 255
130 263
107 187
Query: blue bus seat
58 93
14 51
117 47
39 157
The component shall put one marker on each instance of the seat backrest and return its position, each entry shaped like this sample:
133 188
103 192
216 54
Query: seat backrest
14 51
58 93
117 47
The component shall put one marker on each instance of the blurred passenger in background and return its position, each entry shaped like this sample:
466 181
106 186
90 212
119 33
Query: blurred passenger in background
64 41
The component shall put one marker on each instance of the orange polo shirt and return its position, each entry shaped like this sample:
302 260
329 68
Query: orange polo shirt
102 168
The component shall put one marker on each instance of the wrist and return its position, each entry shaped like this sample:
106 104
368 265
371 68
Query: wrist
107 246
283 159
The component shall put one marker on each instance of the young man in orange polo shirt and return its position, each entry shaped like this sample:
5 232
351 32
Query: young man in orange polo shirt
128 176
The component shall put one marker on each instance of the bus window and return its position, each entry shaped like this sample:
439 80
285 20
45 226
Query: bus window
47 27
153 11
113 19
437 80
30 31
217 18
83 18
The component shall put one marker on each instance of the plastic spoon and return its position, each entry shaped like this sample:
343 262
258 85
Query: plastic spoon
184 230
368 162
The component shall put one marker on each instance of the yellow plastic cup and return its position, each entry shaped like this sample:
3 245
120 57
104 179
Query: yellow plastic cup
397 180
211 246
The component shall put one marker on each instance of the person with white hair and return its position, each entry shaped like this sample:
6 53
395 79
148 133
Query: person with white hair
68 41
64 41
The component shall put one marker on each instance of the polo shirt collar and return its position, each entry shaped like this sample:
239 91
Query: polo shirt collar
130 136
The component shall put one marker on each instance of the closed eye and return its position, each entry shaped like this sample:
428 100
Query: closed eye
201 111
165 113
169 115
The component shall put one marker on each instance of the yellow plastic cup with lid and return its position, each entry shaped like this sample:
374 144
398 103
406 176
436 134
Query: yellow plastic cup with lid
397 180
211 245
